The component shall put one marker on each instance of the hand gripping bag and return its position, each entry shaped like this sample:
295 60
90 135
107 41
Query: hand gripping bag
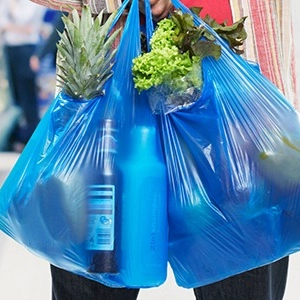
233 161
65 198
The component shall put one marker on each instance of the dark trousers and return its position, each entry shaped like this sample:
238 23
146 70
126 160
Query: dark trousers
23 87
264 283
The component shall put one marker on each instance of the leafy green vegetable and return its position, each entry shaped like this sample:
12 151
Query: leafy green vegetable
177 50
235 34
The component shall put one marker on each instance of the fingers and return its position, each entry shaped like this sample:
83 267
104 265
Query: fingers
160 8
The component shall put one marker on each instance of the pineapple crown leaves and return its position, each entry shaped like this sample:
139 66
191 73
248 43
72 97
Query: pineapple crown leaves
85 53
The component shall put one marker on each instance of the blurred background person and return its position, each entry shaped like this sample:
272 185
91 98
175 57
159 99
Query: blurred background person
20 26
43 61
49 44
9 113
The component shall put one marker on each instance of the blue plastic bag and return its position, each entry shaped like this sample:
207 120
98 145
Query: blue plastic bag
71 191
233 160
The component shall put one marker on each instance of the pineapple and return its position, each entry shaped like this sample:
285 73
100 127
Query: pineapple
85 53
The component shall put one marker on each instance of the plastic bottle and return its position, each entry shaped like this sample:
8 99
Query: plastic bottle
144 212
103 197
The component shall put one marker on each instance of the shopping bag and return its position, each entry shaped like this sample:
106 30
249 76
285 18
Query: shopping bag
87 171
233 161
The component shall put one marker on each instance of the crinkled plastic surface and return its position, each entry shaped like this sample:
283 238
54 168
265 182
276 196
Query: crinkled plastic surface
74 173
232 158
236 154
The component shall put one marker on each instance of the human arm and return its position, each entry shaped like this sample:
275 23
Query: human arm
160 8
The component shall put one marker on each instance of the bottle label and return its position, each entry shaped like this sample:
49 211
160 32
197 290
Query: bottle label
101 217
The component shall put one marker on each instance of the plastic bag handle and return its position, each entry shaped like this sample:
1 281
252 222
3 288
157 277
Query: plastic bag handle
149 22
119 13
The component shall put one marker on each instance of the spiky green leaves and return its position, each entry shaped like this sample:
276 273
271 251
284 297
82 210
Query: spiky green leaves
85 54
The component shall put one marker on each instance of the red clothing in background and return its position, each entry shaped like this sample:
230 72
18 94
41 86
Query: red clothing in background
217 9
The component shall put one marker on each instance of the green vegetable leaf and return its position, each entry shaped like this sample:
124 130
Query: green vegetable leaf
234 34
178 47
206 48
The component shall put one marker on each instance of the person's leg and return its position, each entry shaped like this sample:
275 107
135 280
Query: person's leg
26 90
264 283
69 286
